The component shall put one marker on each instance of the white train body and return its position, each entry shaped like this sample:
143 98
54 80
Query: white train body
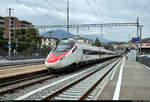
71 52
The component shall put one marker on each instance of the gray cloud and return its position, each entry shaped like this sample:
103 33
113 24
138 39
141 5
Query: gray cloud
46 12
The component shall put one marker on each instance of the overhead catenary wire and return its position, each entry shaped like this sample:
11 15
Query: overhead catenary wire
99 11
35 10
53 5
101 15
3 12
144 8
94 12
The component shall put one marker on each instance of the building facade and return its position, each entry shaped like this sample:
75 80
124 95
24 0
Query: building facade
49 42
15 22
85 40
120 46
1 21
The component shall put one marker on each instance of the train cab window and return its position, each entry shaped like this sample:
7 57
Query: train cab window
63 46
74 49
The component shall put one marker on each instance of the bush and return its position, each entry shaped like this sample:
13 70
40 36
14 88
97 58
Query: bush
3 43
23 45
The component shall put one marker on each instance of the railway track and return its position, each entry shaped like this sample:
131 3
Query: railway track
12 83
80 89
80 86
15 82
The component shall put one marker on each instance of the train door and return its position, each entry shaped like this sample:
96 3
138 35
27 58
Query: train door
76 54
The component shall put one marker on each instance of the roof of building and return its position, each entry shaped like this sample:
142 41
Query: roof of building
23 21
1 17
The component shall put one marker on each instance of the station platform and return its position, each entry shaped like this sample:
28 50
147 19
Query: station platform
130 82
6 73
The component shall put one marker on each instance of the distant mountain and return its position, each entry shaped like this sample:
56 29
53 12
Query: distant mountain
63 34
94 36
58 34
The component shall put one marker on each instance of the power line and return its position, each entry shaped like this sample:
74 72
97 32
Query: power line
52 5
92 9
100 11
145 7
35 9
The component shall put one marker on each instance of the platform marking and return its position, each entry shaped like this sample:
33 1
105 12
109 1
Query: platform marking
19 66
42 88
117 89
146 67
18 73
115 70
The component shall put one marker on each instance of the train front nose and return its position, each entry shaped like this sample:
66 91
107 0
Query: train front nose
52 62
52 65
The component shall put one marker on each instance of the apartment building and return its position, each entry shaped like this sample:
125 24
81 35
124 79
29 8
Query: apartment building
49 42
15 22
1 21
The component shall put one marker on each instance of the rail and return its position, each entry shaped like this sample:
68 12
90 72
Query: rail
81 84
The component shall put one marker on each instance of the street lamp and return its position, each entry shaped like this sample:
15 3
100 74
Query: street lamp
50 32
140 40
16 46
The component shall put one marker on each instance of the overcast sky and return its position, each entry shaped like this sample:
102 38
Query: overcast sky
49 12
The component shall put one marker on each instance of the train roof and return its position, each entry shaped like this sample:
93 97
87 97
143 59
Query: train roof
91 46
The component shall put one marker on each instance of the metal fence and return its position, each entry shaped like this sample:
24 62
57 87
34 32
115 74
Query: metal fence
26 54
144 60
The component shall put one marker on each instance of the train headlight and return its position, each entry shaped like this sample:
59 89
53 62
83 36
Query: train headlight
61 58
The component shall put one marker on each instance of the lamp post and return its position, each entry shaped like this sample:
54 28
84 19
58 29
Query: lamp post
9 42
16 47
140 41
50 39
68 18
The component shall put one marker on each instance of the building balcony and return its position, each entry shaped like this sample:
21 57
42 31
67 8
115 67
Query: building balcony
2 20
1 25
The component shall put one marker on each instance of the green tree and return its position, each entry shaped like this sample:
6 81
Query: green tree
97 42
32 34
28 37
18 32
32 31
108 46
1 32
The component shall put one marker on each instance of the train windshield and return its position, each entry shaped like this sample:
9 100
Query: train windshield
63 46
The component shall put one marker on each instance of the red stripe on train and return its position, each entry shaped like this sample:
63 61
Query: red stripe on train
52 58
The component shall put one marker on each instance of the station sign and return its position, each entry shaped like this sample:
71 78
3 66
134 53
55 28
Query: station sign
135 39
7 46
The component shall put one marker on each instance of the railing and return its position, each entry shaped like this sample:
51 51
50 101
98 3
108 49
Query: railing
144 60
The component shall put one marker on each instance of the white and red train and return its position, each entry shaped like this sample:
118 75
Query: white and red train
72 52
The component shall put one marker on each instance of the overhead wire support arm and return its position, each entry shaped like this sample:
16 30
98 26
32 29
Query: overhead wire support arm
78 25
